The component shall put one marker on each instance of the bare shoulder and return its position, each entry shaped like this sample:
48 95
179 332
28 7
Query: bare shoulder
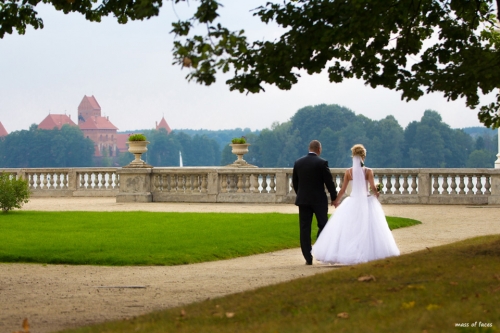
368 173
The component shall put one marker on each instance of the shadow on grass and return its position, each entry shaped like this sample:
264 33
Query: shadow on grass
452 288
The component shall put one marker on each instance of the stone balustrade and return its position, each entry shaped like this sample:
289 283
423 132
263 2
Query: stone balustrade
256 185
70 182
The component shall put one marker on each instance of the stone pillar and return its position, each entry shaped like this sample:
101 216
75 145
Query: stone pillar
497 162
494 198
212 185
73 181
135 185
424 187
281 186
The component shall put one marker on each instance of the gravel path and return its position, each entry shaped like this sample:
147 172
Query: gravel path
54 297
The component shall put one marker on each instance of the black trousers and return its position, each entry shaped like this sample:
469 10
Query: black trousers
305 219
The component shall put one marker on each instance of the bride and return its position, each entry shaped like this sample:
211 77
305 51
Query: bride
357 232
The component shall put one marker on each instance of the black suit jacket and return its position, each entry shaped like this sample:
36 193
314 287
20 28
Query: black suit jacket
310 175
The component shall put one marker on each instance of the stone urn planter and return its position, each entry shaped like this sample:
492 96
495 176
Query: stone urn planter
240 149
137 146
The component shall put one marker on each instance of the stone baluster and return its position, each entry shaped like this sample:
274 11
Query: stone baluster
110 180
57 180
255 183
461 185
445 185
487 186
272 184
87 181
96 180
103 180
240 184
470 186
453 185
233 183
479 185
91 180
341 182
156 183
184 183
435 184
82 180
196 183
45 181
388 184
188 183
414 184
38 179
50 179
31 181
117 180
204 184
247 183
65 182
397 184
223 184
405 184
264 183
175 183
165 182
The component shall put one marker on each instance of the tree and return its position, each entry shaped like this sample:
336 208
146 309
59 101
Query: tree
34 148
415 47
481 159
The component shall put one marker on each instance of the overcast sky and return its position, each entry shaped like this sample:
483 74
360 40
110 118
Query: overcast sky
128 69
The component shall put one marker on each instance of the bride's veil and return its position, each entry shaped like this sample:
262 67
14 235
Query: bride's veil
358 179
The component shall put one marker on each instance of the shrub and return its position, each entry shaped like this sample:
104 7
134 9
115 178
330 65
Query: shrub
239 140
137 137
13 192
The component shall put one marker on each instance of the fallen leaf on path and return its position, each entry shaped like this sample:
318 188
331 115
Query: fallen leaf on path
408 305
344 315
431 307
26 325
366 278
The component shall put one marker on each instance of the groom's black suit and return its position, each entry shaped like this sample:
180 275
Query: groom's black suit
310 176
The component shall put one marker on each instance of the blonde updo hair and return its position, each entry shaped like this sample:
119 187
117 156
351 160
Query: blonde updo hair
359 150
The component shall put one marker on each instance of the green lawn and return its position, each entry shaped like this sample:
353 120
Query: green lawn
428 291
145 238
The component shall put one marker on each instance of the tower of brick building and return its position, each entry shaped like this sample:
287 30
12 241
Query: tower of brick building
97 128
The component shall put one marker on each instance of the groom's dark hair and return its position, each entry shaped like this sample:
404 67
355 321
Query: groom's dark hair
314 145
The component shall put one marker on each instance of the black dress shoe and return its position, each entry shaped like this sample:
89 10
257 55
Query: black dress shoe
309 262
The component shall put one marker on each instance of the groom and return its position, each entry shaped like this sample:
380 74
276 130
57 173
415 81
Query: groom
310 175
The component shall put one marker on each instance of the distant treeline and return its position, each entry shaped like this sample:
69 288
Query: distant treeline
36 148
428 143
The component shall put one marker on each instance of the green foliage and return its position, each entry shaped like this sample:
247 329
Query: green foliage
481 159
37 148
115 238
428 143
137 137
227 156
241 140
14 192
222 137
450 47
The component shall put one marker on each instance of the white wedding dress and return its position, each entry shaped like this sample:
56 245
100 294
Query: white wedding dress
357 232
